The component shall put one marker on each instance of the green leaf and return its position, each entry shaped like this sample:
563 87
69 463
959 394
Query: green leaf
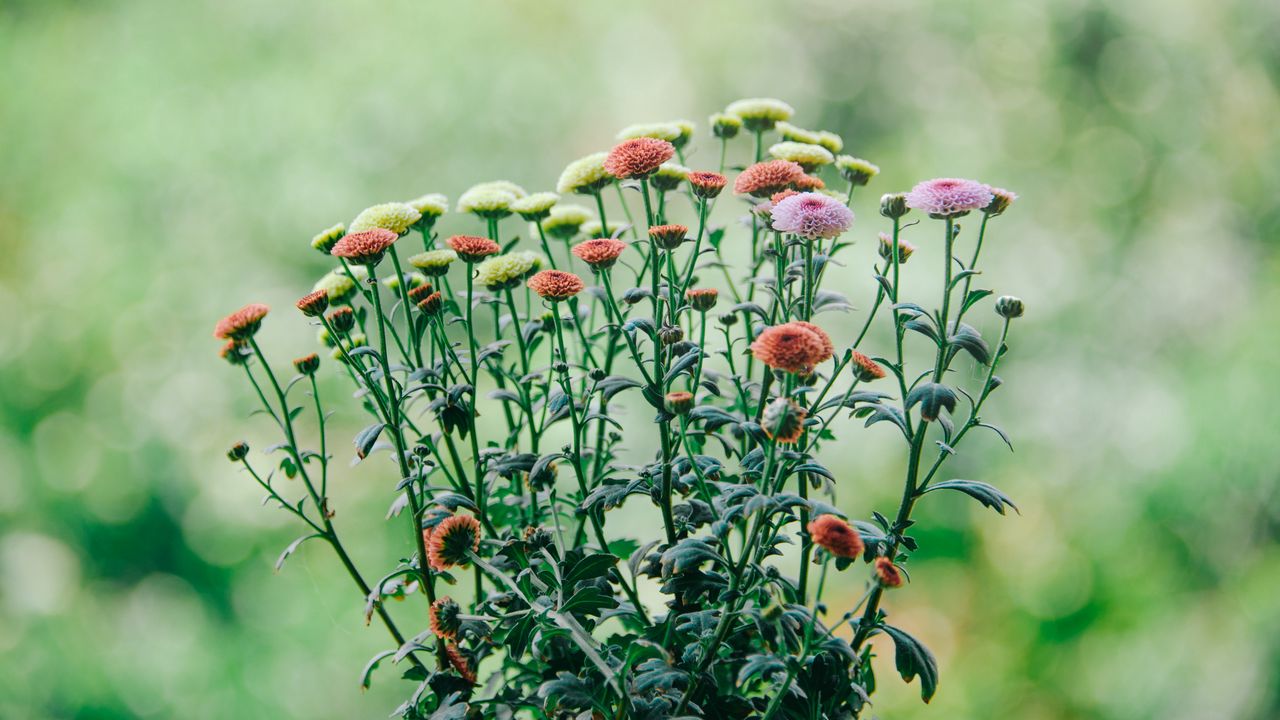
589 600
973 297
760 666
293 546
366 438
912 658
988 495
589 568
366 675
932 397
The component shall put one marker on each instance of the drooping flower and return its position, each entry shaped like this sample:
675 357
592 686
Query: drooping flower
856 170
314 303
443 618
806 156
783 420
366 247
433 263
766 178
725 126
472 248
564 221
536 206
668 131
811 215
397 217
760 113
702 299
500 272
864 368
452 541
241 324
638 157
949 197
585 176
459 662
1001 199
887 574
794 347
326 239
669 176
556 285
668 237
835 536
706 184
599 253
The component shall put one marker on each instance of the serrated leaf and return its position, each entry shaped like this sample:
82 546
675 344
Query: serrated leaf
932 398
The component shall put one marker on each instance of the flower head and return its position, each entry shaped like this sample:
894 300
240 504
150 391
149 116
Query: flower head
420 293
668 237
668 131
766 178
452 541
433 263
706 184
238 451
500 272
459 662
679 402
410 280
725 126
812 215
430 206
342 319
325 239
556 285
807 156
702 299
949 197
307 364
887 573
585 176
886 248
1009 307
234 352
366 247
1001 199
444 619
795 347
600 253
864 368
796 134
491 200
894 205
472 248
241 324
856 170
397 217
564 221
432 303
314 303
760 113
835 536
669 176
830 141
536 206
638 157
783 420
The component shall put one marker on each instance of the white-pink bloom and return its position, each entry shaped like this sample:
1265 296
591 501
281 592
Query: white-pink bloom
949 197
811 215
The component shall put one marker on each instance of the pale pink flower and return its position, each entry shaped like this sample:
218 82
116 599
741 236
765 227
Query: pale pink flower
811 215
949 197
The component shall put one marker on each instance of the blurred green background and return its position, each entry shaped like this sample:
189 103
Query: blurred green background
166 162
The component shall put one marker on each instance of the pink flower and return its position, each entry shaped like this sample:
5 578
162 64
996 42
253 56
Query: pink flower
811 215
949 197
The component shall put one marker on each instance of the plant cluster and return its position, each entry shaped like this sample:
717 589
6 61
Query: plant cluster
499 381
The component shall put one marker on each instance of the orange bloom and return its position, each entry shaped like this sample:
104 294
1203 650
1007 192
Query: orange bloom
702 299
420 293
835 536
241 324
887 573
808 183
706 184
668 237
443 618
365 248
600 253
766 178
472 248
638 157
314 304
864 368
795 347
460 662
556 285
450 542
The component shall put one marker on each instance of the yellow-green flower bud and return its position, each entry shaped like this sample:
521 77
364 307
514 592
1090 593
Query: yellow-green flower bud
433 263
856 170
536 206
669 176
564 221
760 113
326 239
805 155
397 217
661 131
585 176
725 126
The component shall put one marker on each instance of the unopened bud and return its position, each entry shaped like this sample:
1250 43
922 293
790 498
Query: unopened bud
238 452
1008 306
894 205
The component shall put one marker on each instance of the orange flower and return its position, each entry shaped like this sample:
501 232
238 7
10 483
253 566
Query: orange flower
766 178
556 285
314 304
420 293
443 618
365 248
451 542
600 253
668 237
473 249
795 347
808 183
241 324
702 299
638 157
460 662
835 536
780 196
887 573
864 368
706 184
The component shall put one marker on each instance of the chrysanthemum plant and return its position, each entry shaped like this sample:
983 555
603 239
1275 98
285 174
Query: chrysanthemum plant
504 390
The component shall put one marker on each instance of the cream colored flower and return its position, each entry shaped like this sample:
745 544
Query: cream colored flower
669 176
797 134
725 126
326 239
535 206
487 200
830 141
760 113
805 155
414 280
504 271
337 285
433 263
662 131
856 170
686 133
592 228
397 217
585 176
564 221
432 205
